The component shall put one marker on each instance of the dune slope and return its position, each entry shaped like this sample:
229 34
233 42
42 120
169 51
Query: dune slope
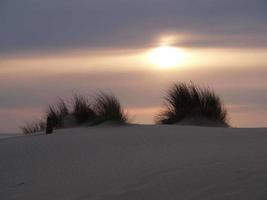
136 162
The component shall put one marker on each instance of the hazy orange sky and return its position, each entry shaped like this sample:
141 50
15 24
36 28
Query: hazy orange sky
51 49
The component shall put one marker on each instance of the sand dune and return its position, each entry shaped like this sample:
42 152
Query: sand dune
9 135
136 162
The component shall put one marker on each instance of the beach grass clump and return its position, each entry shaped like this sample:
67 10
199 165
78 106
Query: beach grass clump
79 112
33 127
82 110
57 112
108 108
189 101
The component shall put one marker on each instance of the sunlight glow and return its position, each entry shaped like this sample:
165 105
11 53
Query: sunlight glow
166 56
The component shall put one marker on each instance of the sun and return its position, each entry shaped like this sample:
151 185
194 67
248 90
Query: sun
166 56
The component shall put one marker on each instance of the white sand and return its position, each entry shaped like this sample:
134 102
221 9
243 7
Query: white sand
136 163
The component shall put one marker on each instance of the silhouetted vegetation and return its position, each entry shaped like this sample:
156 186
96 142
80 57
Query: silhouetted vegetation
108 108
185 101
57 113
34 127
82 110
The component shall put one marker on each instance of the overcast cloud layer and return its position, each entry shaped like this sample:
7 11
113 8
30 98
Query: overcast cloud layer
55 24
46 26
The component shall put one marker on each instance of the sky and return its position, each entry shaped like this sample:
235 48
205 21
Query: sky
54 48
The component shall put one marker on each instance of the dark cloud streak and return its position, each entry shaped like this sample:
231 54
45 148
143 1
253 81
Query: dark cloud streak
57 24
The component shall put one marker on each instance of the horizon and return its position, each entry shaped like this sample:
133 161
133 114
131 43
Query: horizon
136 50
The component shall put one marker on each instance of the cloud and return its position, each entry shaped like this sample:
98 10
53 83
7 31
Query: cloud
55 24
134 88
139 91
51 25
